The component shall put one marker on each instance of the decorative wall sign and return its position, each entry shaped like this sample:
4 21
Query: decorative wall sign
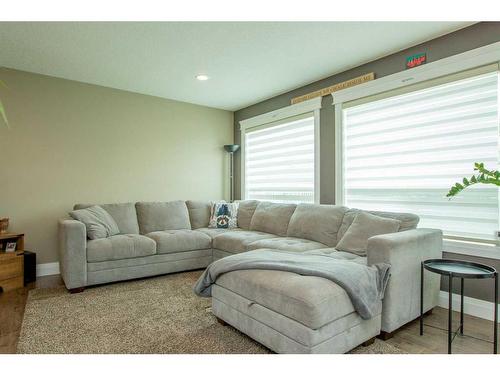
416 60
339 86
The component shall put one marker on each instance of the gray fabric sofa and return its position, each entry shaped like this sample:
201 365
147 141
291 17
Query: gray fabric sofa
286 312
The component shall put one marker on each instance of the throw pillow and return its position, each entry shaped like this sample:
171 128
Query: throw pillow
364 226
223 215
98 222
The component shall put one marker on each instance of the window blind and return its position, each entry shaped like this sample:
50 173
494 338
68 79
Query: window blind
403 153
279 161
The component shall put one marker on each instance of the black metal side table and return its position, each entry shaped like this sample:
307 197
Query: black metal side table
463 270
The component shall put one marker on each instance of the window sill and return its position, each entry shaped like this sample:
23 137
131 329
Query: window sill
472 249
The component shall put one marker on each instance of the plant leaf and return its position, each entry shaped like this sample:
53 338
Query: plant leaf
483 176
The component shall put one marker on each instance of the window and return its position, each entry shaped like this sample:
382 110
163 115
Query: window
280 154
403 152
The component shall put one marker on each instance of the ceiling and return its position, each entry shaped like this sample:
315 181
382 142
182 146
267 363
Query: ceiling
247 62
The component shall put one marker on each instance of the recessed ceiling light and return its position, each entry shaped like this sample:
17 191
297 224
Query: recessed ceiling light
202 77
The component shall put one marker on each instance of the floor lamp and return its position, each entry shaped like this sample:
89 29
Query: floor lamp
231 149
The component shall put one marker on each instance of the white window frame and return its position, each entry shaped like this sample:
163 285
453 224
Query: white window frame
308 106
472 59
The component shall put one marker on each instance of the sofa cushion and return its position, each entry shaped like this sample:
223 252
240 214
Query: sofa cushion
124 215
214 232
199 213
272 217
316 222
175 241
246 210
237 241
408 221
364 226
310 300
157 216
98 223
342 255
286 244
121 246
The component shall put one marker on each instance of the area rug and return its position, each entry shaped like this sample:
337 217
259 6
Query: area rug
154 315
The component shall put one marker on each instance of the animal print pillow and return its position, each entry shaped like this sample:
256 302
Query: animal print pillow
223 215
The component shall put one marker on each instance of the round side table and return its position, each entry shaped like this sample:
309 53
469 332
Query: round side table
463 270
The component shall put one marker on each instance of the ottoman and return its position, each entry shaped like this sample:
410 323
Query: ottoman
290 313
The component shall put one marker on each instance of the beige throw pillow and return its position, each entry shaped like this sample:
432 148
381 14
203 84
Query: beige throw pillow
364 226
98 222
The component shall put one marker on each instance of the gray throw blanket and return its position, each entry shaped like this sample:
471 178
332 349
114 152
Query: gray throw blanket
365 285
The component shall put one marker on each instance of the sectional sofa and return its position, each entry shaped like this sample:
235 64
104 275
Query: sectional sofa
286 312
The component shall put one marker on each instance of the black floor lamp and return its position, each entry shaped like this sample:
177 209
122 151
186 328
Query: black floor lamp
231 149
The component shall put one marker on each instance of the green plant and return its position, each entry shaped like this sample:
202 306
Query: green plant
483 176
2 109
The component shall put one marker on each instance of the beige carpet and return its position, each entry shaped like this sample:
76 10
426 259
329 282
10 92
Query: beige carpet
155 315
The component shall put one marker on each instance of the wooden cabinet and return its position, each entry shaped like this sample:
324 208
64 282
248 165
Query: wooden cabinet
12 264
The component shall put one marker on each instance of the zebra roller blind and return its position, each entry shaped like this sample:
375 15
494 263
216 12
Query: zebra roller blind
280 161
404 152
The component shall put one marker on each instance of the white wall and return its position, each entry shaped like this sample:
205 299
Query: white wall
72 142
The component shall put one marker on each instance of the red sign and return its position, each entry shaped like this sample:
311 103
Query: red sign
416 60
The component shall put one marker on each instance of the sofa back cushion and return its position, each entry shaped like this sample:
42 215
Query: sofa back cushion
408 221
157 216
272 217
199 213
316 222
246 210
124 215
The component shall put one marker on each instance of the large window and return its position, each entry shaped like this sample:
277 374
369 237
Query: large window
403 152
280 160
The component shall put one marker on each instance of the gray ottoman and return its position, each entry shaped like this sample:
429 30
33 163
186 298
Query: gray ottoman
290 313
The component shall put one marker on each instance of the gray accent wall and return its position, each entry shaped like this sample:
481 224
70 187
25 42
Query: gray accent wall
475 288
471 37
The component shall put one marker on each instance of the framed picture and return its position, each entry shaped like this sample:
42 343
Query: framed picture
11 247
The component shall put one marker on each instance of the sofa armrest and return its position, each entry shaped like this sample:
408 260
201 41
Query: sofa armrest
73 253
405 251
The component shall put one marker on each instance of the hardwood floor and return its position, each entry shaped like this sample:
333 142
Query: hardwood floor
477 337
12 310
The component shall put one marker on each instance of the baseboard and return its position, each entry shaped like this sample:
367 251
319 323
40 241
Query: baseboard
472 306
46 269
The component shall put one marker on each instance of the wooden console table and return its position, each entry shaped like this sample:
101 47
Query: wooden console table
12 264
